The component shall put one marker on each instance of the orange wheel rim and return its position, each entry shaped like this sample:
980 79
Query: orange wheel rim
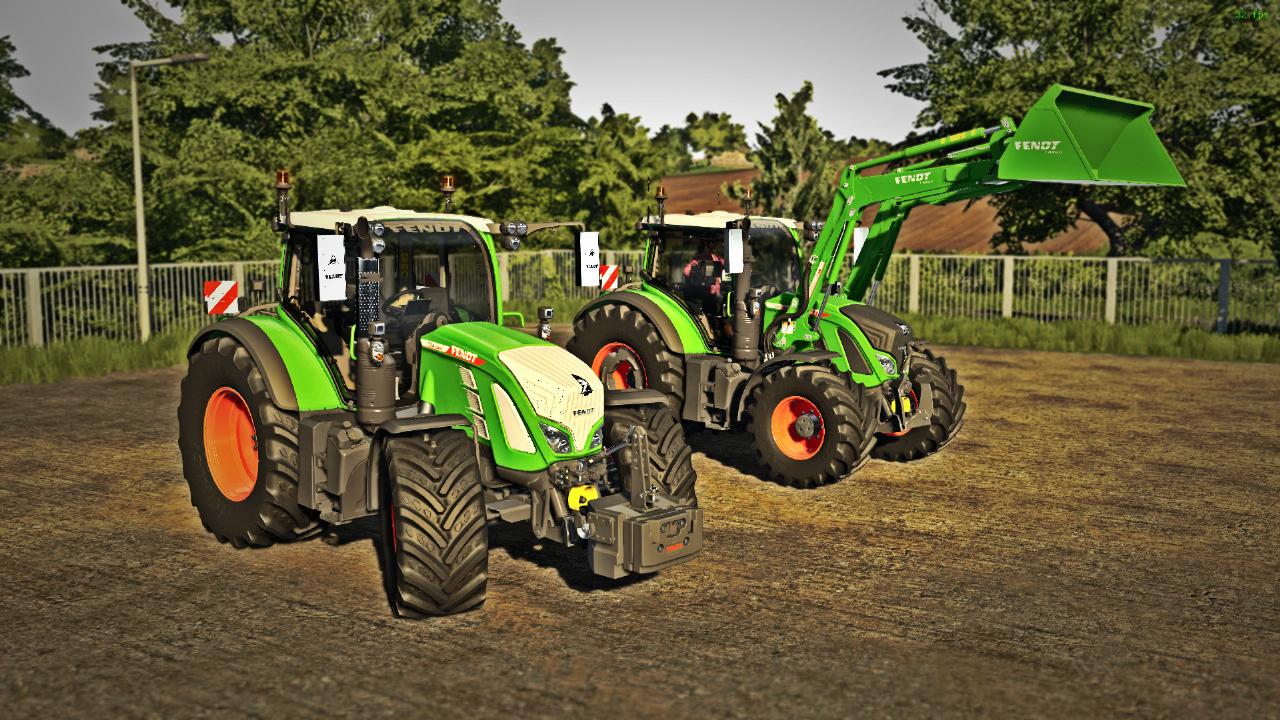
618 364
230 444
786 434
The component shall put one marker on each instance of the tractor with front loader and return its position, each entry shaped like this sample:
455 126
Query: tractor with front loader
383 383
742 329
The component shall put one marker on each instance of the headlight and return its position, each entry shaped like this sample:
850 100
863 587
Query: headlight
557 439
598 438
886 362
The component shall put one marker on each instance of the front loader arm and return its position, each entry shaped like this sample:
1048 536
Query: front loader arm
1067 136
896 193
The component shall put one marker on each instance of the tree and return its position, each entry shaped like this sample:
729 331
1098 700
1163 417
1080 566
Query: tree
25 134
713 133
1206 70
797 161
368 102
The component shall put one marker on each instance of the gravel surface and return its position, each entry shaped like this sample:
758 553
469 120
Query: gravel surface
1101 540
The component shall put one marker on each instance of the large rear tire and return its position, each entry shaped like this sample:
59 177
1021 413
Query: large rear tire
434 525
810 427
927 368
670 458
239 451
625 351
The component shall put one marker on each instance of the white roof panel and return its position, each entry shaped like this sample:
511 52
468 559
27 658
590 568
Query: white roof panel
329 219
716 219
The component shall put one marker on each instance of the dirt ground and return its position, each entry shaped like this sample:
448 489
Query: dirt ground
1100 541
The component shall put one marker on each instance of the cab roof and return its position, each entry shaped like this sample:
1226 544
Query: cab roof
330 219
714 220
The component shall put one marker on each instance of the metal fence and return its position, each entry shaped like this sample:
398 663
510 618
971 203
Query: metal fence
43 305
1221 295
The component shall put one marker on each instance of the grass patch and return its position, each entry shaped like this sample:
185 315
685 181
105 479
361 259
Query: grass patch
90 357
1095 337
563 308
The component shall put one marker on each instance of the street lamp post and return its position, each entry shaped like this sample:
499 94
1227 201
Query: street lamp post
144 289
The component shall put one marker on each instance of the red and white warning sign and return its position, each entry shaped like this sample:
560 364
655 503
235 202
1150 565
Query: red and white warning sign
608 277
219 295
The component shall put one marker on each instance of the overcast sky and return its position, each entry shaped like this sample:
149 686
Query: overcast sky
659 59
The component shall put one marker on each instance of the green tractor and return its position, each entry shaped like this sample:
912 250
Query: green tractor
742 329
383 384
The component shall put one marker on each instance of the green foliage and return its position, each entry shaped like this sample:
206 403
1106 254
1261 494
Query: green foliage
713 133
90 357
367 102
1095 337
794 155
25 135
67 212
11 106
1207 72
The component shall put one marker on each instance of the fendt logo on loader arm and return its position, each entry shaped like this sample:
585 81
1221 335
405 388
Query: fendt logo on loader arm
1049 146
913 178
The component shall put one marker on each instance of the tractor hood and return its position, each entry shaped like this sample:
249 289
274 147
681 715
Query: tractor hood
542 380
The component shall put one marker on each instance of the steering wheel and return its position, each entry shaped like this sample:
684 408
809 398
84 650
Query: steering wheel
391 310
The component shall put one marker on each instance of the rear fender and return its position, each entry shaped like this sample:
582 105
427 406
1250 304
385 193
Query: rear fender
675 326
297 377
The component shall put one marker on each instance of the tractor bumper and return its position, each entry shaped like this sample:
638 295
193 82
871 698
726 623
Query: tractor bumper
625 540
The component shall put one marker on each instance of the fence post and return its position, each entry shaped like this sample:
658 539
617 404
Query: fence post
1006 305
237 275
1113 269
1224 294
913 284
35 309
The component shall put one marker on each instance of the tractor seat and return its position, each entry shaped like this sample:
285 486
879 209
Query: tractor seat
428 299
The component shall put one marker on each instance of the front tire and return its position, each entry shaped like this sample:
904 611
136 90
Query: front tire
927 368
434 525
239 451
809 427
625 351
670 457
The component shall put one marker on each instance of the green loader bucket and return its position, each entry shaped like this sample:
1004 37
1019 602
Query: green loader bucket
1077 136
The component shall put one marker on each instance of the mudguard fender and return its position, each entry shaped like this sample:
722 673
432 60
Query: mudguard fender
643 305
807 357
264 354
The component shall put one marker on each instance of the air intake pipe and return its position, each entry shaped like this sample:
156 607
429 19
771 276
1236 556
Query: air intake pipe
746 307
375 367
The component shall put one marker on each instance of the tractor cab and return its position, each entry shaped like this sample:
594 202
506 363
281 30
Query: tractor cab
688 260
435 270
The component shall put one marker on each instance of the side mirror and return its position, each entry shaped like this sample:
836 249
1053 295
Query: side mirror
733 250
587 247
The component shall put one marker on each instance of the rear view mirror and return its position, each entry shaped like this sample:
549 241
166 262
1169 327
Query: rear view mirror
587 247
733 250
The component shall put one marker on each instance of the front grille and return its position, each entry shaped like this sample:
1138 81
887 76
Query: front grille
857 363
